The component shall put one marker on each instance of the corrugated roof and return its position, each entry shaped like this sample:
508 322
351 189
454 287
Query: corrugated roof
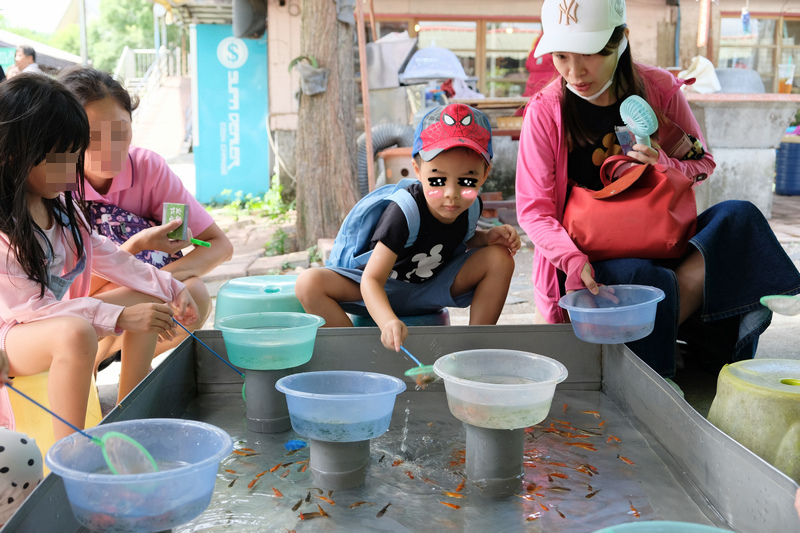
200 11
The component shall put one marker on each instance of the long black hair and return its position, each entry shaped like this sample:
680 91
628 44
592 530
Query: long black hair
38 115
627 83
90 85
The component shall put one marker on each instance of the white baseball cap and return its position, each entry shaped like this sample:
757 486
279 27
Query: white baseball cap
578 26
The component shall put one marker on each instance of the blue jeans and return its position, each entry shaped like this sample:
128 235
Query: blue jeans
743 262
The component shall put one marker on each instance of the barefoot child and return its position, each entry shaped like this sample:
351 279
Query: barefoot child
452 157
48 255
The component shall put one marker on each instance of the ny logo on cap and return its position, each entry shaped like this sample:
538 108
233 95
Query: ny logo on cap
567 12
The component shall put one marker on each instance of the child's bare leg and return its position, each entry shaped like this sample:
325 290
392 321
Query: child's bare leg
488 271
65 346
320 290
138 349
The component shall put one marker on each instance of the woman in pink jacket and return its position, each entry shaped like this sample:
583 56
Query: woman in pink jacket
48 255
569 130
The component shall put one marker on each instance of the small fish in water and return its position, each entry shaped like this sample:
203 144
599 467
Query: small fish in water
633 510
557 464
232 482
559 489
291 452
285 473
326 500
534 516
561 422
262 473
584 445
543 506
381 459
274 468
423 380
322 511
230 471
304 467
451 505
383 511
625 460
308 497
397 462
589 489
461 485
560 475
409 474
591 494
453 494
309 516
560 513
588 432
601 424
245 454
330 493
595 413
248 450
277 493
298 504
359 504
564 409
612 437
252 483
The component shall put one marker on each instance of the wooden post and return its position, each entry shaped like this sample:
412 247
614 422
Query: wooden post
372 21
362 61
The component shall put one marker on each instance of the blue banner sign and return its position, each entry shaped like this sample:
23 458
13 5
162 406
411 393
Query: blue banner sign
230 113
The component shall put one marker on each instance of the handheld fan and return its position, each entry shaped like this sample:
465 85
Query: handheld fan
639 117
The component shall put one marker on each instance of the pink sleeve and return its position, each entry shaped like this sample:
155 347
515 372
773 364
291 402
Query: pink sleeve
161 184
123 269
537 188
20 302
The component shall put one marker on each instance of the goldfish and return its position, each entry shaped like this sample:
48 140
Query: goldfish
451 505
274 468
460 486
277 493
612 437
633 510
534 516
383 511
595 413
601 424
248 450
557 464
230 471
584 445
322 511
309 516
244 454
359 504
453 494
559 474
252 483
625 460
326 500
297 505
564 409
262 473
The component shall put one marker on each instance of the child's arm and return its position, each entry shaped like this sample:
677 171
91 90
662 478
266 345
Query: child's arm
504 235
379 266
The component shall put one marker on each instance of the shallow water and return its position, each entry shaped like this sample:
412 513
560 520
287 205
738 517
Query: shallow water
577 476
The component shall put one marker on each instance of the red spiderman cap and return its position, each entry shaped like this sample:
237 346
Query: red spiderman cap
446 127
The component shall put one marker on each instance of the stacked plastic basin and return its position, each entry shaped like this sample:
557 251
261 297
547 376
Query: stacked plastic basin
256 294
787 167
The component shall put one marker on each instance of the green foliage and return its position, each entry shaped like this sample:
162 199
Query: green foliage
314 255
269 205
277 245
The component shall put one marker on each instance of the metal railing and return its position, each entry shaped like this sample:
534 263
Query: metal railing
140 71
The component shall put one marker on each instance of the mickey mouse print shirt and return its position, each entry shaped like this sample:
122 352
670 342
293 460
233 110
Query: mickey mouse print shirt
436 244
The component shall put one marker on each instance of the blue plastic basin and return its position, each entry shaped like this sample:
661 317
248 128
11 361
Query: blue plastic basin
270 341
187 452
340 406
660 526
599 319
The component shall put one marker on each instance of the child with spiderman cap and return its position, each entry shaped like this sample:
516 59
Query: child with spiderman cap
452 158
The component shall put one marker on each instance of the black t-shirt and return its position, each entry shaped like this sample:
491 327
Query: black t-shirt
584 162
436 242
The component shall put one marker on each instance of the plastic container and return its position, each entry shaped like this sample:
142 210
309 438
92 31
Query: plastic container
256 294
270 341
499 389
660 526
187 452
340 406
787 168
599 319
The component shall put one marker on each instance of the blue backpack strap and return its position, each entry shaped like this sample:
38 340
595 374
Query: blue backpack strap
473 214
410 209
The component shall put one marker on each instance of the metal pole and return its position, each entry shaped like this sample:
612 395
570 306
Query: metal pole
362 61
82 25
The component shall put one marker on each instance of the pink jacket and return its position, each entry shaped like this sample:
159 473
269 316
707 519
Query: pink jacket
19 296
541 185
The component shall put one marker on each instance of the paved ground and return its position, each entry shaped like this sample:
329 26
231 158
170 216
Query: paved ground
251 234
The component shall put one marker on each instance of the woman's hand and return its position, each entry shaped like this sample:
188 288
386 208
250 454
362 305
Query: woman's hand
186 309
505 235
644 154
146 318
393 334
588 279
155 238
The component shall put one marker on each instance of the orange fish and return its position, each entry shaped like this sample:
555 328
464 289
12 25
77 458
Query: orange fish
562 422
248 450
543 506
625 460
601 424
397 462
559 474
322 511
453 494
564 409
409 474
230 471
261 474
612 437
326 500
277 493
557 464
303 469
274 468
252 483
285 473
359 504
633 510
534 516
309 516
461 485
451 505
595 413
243 454
584 445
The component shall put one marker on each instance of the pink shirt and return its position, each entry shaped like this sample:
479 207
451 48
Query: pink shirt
541 184
19 296
145 184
